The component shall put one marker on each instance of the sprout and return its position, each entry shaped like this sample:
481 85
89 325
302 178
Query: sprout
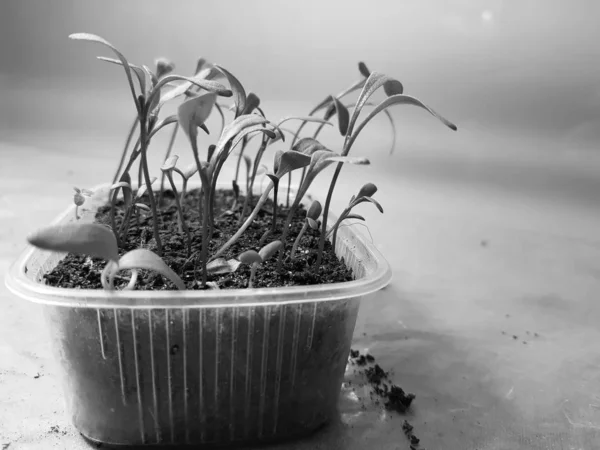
312 215
167 168
98 241
254 259
364 195
79 199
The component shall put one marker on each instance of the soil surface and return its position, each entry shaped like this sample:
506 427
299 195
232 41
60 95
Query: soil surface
83 272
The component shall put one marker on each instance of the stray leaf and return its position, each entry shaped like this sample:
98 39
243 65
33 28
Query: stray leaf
89 239
222 266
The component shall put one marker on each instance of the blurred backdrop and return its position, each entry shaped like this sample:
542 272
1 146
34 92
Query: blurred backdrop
520 78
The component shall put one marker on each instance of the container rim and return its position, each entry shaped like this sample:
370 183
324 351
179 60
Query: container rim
19 284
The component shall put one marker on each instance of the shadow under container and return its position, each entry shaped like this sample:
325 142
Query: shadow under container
225 367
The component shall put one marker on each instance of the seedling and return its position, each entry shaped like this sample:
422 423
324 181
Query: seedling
96 240
198 97
79 199
365 194
255 259
167 168
312 215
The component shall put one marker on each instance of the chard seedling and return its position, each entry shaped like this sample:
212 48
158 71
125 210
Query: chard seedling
287 161
312 215
148 101
394 91
96 240
79 199
167 169
320 158
255 259
365 194
123 185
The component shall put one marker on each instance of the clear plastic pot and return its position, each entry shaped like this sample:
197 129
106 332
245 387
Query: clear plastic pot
221 367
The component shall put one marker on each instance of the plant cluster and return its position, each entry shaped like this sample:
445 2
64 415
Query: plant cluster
199 97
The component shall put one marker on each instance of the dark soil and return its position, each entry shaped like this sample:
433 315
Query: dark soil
393 397
84 272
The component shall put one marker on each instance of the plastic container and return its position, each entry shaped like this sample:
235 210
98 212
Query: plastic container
219 367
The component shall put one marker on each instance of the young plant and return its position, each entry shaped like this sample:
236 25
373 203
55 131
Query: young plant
284 163
312 215
365 194
394 91
255 259
96 240
167 169
79 199
148 101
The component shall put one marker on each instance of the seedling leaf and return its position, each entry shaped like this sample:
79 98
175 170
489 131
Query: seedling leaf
239 93
289 161
142 258
193 113
250 257
139 72
143 188
368 190
401 99
163 67
93 38
78 199
142 206
343 116
314 211
89 239
362 68
119 185
190 171
273 178
354 216
252 102
169 163
308 146
312 223
222 266
372 200
269 250
374 82
393 87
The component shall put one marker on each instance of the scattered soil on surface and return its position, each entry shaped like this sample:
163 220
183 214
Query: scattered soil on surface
84 272
393 397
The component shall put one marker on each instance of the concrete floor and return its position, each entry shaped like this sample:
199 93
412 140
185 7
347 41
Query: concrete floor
491 319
